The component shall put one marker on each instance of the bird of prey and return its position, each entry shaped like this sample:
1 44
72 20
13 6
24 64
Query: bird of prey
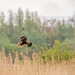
24 41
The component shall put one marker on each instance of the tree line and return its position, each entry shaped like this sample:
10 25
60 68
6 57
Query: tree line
36 31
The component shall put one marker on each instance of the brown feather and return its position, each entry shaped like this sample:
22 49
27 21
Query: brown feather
20 44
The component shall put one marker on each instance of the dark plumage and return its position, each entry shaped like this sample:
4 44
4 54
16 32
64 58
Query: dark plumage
24 41
22 29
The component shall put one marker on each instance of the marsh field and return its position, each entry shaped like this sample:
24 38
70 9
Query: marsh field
53 44
34 66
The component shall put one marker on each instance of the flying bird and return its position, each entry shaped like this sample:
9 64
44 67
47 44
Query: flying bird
24 41
22 29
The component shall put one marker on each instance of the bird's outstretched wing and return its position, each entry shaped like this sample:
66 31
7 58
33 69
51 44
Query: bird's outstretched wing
29 44
23 39
20 44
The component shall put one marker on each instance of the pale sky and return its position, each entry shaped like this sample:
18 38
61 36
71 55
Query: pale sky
43 7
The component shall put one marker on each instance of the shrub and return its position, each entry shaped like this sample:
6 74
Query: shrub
59 51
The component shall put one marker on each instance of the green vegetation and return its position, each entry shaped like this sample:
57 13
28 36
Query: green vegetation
38 33
59 51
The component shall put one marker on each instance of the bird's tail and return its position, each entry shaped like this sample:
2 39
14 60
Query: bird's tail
20 44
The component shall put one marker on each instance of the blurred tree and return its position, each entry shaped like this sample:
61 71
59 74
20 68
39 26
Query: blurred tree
27 14
19 17
65 32
29 21
3 24
2 19
11 22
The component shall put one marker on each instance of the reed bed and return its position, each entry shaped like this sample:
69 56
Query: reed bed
34 67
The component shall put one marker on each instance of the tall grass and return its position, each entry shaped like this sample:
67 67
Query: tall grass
34 67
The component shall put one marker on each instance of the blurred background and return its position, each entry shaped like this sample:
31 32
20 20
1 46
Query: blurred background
44 21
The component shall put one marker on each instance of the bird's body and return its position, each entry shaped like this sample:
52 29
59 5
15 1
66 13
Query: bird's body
24 41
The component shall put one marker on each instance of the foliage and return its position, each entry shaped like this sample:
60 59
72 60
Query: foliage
36 31
4 40
70 43
65 32
59 51
62 32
